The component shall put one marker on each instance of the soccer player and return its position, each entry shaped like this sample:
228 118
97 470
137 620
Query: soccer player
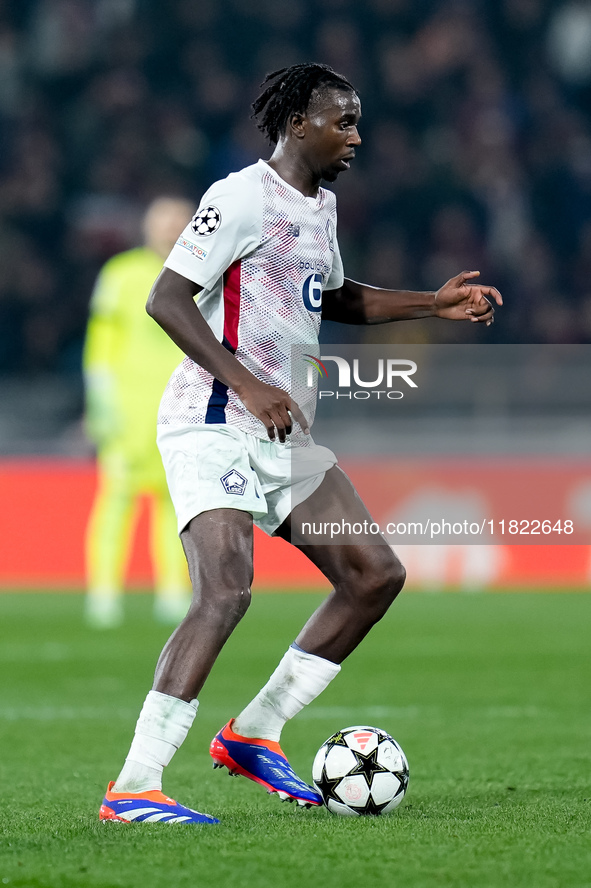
262 253
121 421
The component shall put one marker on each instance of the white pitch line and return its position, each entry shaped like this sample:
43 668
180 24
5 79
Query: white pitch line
339 714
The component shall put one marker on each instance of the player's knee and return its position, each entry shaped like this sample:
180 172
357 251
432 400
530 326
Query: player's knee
234 601
397 577
382 580
224 606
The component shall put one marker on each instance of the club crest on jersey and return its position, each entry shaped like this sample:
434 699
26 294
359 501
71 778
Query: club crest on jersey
206 221
293 230
234 482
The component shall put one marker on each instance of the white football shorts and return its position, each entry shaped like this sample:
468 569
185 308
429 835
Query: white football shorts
219 466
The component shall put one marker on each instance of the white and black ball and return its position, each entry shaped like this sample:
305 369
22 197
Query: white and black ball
361 770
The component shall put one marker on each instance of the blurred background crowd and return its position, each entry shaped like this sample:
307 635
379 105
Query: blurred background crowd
476 148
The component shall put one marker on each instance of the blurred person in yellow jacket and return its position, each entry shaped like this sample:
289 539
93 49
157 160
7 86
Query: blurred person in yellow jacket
127 362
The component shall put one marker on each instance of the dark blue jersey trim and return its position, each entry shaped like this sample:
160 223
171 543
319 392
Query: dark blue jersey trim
216 406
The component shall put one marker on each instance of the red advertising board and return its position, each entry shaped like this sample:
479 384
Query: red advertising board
44 507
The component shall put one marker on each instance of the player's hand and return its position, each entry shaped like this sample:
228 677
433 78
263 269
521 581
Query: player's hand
459 300
274 407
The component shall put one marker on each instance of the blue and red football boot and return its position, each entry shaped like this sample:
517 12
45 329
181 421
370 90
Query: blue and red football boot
147 807
262 761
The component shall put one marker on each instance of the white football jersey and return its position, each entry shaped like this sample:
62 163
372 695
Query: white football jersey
261 253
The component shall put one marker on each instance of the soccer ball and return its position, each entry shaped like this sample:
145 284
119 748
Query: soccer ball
360 770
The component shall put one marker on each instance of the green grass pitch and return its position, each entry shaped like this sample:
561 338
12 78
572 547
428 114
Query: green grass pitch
489 696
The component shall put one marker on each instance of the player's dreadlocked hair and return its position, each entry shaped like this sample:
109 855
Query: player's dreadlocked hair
289 92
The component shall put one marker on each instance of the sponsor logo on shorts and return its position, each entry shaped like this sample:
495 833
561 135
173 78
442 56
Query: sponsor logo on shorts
234 482
197 251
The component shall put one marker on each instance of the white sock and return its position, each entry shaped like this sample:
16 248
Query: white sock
298 680
161 728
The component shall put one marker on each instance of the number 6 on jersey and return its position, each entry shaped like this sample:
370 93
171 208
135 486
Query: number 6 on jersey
312 292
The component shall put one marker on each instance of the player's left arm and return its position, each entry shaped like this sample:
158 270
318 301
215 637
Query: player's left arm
456 300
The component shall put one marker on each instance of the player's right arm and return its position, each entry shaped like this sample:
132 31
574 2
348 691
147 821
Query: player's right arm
172 305
227 227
